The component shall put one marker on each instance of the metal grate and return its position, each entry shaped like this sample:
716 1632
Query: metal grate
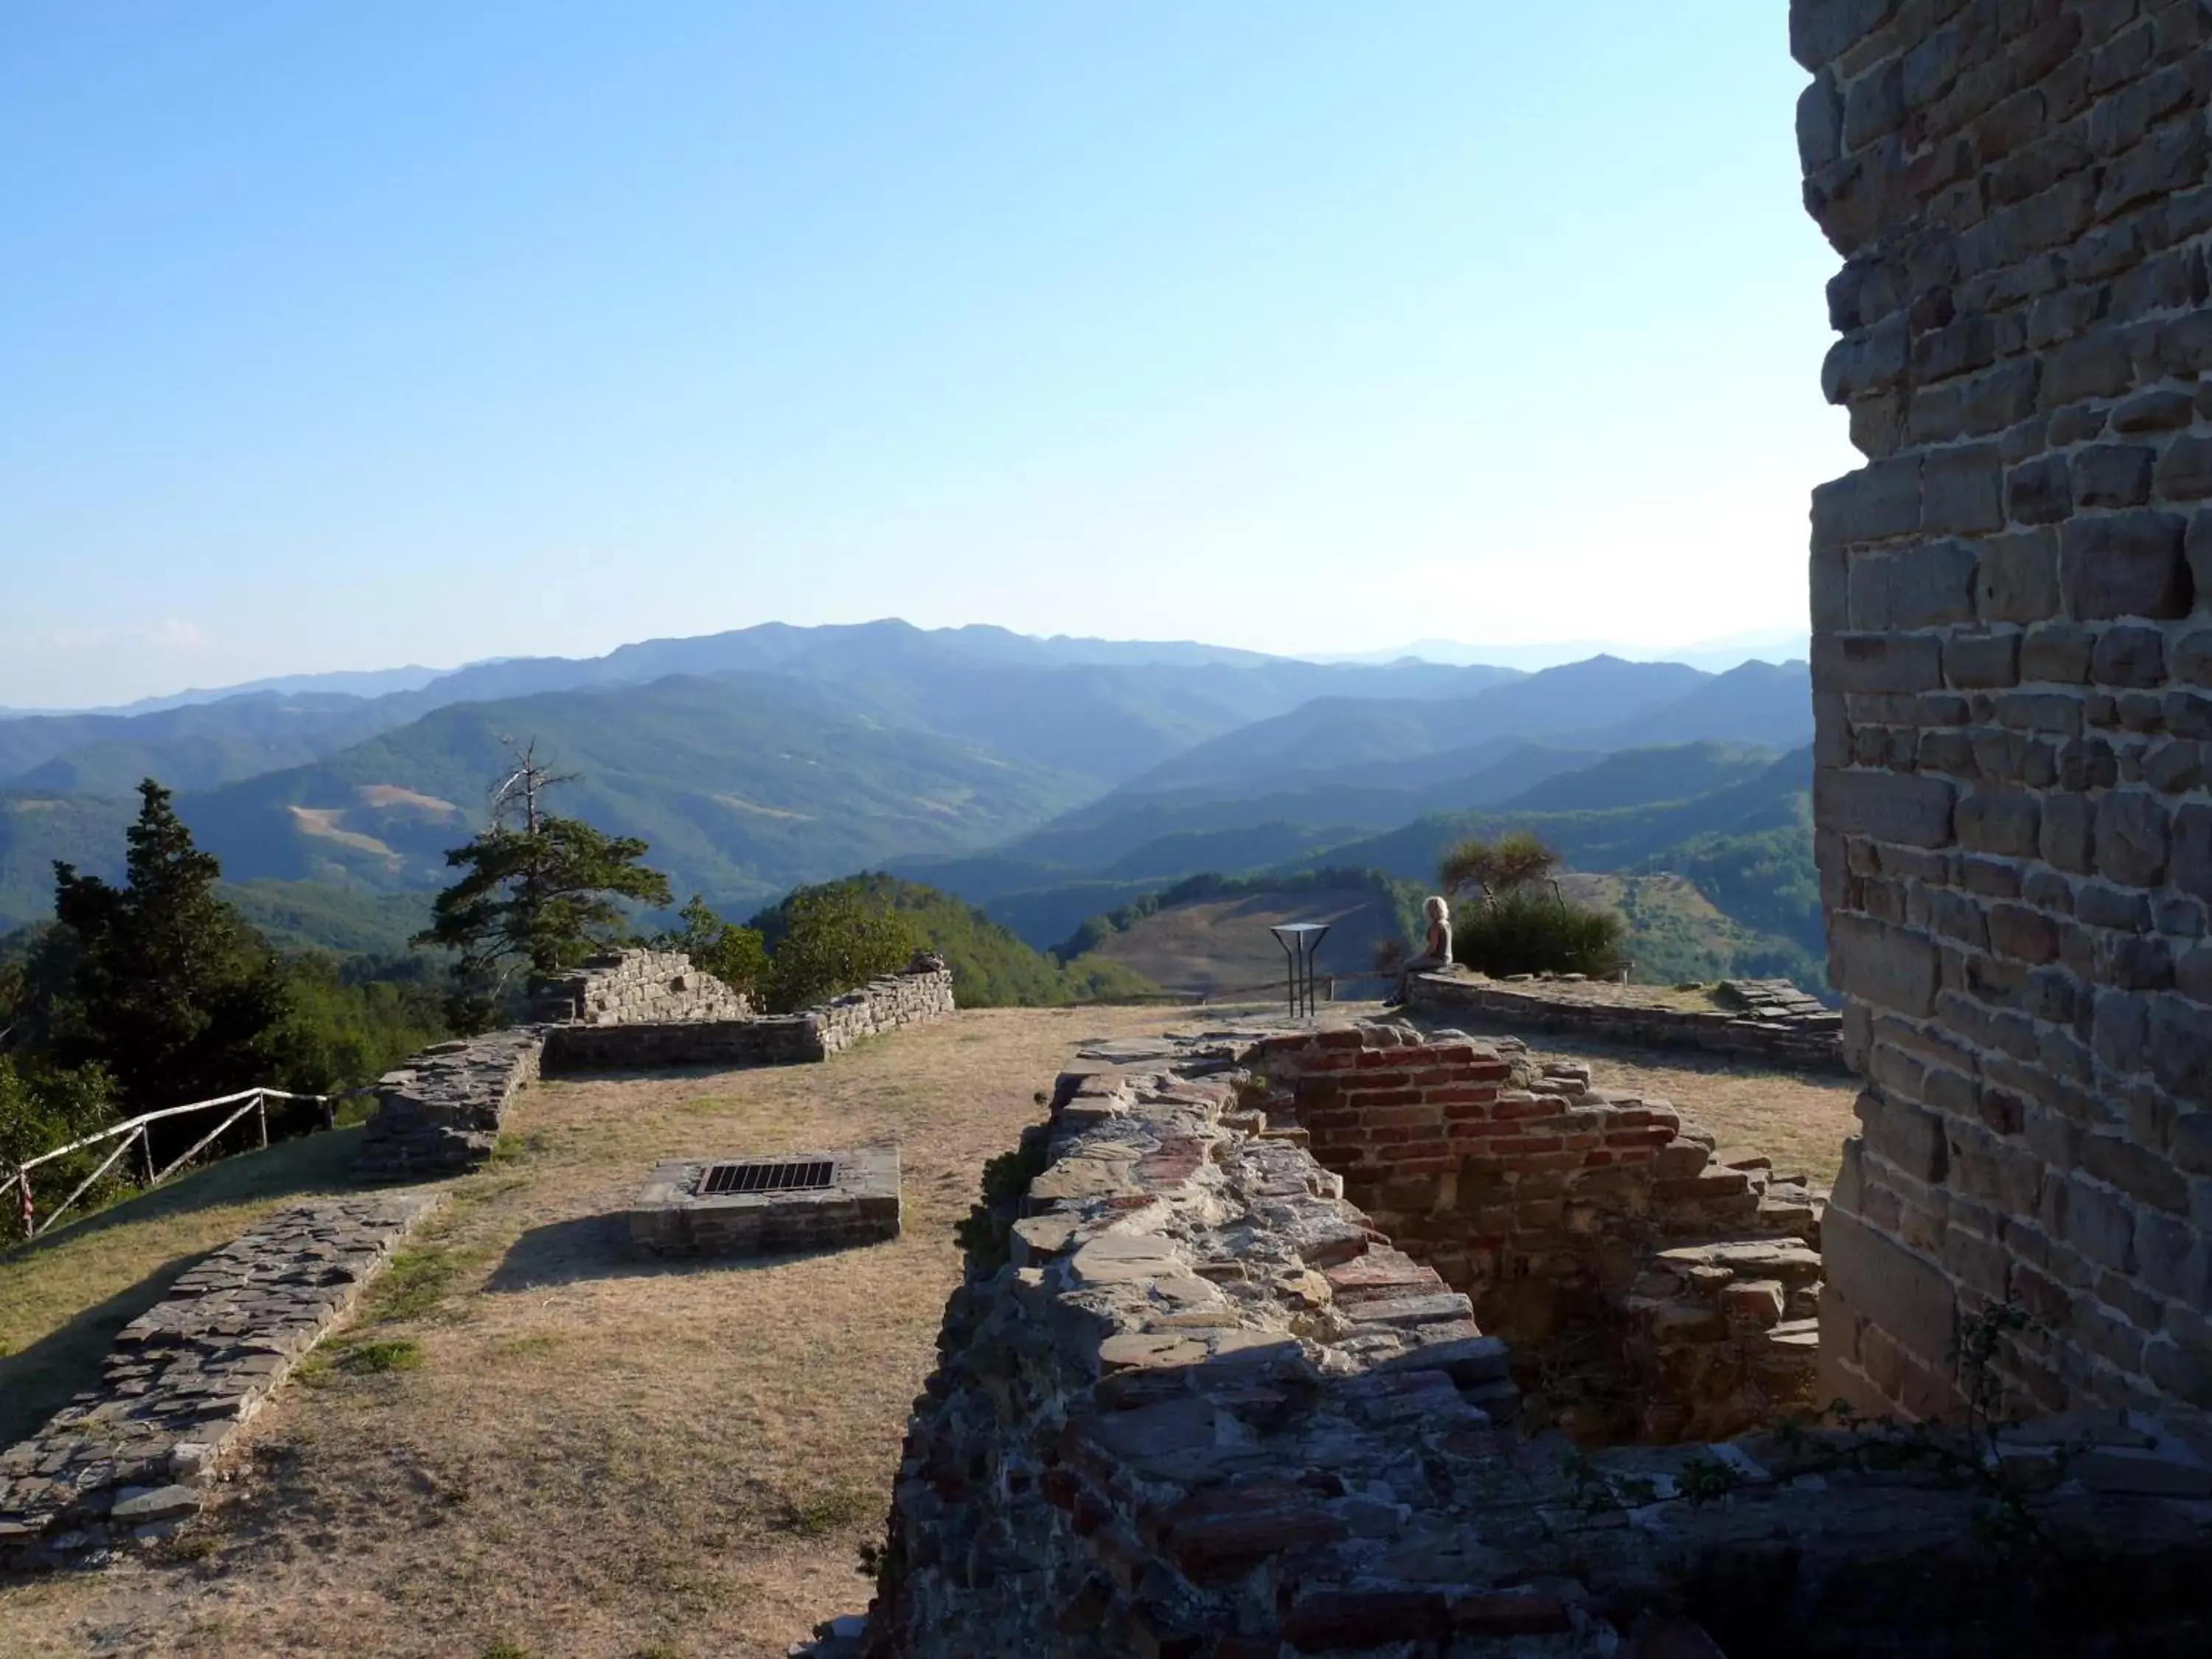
723 1180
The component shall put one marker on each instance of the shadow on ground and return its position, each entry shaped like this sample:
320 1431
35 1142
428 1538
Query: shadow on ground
38 1382
598 1247
315 1163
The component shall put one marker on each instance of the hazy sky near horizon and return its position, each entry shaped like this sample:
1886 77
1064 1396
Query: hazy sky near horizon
346 337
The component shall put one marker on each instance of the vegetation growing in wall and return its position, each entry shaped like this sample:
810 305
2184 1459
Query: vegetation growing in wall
829 939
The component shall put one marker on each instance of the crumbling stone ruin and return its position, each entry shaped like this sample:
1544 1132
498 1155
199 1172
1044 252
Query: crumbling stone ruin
1770 1021
1191 1402
439 1115
1596 1232
129 1461
2012 669
624 987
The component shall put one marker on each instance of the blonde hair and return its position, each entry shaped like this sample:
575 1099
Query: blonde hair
1438 910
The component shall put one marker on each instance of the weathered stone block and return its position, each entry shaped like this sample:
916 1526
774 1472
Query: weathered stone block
2018 577
2126 564
1890 966
1998 821
1880 500
2132 829
1977 661
1962 490
1904 1293
2113 475
1894 807
1876 663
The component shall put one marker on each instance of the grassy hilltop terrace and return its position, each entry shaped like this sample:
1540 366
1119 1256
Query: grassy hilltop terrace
529 1436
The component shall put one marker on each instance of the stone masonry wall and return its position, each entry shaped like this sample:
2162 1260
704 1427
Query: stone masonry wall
1557 1208
920 993
1190 1404
2012 664
129 1460
440 1113
1778 1026
625 986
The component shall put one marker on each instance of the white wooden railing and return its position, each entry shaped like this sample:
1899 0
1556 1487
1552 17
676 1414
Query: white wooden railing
133 1133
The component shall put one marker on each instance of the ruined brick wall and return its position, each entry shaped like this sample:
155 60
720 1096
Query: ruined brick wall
1595 1232
1191 1404
2013 686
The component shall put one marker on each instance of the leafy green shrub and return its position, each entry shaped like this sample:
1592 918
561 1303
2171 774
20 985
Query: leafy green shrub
1528 931
836 938
43 1107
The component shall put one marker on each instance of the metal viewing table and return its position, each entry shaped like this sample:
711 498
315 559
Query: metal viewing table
1301 943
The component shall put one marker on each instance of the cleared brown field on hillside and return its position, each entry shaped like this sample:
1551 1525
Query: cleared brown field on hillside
1218 943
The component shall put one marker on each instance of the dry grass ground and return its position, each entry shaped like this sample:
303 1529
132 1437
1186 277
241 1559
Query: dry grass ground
531 1439
580 1454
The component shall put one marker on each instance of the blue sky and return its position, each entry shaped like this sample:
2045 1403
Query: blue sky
348 335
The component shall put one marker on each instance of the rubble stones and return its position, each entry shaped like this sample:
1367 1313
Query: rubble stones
126 1458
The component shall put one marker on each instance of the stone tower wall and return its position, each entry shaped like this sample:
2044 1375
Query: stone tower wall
2013 686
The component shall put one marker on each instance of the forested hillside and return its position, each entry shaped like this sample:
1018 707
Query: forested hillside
990 967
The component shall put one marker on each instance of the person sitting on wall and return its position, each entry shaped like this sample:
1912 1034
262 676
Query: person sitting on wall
1436 949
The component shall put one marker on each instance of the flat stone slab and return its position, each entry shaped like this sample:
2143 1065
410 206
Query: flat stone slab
858 1205
125 1459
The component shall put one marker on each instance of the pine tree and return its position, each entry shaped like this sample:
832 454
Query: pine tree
171 992
538 896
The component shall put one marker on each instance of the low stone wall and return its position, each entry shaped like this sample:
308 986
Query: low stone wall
778 1040
1191 1402
438 1113
625 987
129 1461
921 994
1801 1035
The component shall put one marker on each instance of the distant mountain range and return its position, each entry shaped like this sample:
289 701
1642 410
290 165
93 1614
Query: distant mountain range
989 763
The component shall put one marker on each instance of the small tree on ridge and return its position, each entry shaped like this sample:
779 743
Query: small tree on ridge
538 894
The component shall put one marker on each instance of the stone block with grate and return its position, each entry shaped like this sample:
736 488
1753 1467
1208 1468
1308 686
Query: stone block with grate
753 1205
